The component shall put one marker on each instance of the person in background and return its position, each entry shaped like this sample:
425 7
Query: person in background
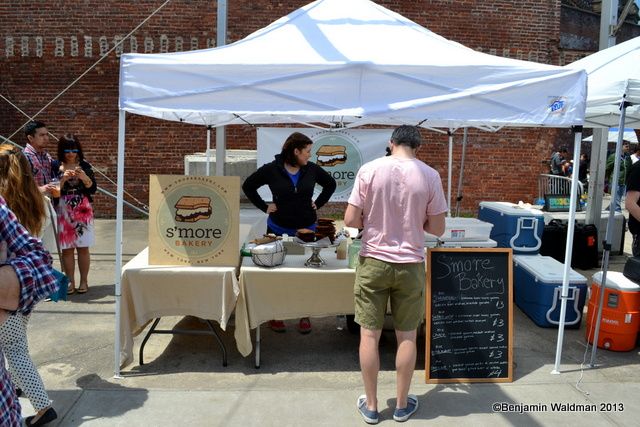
75 213
633 206
584 171
635 156
395 199
23 197
558 161
625 166
26 277
43 166
291 177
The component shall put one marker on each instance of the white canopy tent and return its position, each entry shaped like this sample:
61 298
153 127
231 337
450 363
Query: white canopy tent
347 64
628 135
613 100
614 75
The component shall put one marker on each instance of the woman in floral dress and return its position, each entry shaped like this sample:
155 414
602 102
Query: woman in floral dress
75 213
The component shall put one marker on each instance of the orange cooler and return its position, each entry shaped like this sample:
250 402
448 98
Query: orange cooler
620 322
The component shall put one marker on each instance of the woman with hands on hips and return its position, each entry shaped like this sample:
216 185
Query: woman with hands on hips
291 177
75 213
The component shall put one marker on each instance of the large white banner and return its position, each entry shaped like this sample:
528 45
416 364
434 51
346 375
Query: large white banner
340 152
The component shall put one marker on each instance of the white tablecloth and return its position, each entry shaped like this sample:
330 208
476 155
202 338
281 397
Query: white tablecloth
151 291
291 291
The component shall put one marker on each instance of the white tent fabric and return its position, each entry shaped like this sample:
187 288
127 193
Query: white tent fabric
349 63
614 74
627 135
613 101
353 62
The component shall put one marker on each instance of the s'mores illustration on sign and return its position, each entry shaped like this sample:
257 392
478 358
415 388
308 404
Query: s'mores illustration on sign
193 208
331 155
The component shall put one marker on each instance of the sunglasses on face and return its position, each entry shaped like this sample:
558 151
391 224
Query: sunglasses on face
72 150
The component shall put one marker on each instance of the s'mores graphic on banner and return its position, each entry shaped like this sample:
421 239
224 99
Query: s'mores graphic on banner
331 155
193 220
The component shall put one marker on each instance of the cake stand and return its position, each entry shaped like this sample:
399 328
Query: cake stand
315 260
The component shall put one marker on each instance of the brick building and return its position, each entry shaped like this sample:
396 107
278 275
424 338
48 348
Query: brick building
49 50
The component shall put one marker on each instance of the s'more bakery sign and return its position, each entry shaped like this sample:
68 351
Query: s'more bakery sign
193 220
340 152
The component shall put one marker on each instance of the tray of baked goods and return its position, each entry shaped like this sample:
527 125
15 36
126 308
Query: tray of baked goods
324 235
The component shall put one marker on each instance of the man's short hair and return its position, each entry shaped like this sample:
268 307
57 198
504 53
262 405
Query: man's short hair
31 127
564 149
406 135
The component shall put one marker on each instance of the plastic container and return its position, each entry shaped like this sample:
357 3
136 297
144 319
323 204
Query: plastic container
538 287
620 321
516 227
353 253
463 229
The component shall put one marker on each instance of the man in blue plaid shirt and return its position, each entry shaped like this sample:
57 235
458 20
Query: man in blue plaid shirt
26 277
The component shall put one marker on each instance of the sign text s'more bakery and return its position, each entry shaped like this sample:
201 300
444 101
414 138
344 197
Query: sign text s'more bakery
193 220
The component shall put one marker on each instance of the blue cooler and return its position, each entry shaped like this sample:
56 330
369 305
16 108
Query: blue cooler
538 287
514 227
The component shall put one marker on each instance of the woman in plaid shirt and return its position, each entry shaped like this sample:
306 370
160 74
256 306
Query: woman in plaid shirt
25 278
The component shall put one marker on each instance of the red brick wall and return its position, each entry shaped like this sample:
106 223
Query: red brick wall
44 46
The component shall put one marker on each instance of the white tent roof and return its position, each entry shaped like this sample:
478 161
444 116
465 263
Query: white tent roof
614 73
349 62
628 135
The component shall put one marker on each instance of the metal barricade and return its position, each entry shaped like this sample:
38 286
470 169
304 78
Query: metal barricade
556 185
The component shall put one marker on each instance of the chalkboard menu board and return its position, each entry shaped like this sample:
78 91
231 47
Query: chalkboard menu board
469 315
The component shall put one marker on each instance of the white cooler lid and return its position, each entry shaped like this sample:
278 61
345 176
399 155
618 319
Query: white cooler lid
617 280
547 269
508 208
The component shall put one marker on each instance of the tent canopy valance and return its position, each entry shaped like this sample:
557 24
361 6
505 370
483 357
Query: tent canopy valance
354 63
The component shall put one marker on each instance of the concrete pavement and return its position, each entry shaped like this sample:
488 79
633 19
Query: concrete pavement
304 379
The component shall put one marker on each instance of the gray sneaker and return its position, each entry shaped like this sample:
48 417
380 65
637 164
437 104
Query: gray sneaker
369 416
403 414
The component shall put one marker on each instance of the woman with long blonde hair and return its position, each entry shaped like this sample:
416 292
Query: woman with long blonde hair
19 189
23 197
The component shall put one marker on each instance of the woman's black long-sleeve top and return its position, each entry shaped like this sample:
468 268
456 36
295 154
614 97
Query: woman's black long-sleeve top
293 203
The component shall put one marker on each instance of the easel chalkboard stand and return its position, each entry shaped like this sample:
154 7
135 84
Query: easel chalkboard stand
469 315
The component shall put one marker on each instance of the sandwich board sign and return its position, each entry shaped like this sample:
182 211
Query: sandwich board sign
194 220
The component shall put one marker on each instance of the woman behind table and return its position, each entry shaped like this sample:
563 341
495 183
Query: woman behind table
23 197
291 177
75 213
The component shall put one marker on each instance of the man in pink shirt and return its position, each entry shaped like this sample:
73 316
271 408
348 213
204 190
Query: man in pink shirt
394 199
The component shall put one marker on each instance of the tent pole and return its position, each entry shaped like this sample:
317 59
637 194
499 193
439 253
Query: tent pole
220 150
607 240
119 220
221 40
461 175
208 158
450 172
577 140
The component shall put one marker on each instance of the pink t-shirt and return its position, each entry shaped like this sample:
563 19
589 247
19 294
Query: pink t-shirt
396 195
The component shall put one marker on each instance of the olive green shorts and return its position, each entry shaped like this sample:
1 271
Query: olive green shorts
378 282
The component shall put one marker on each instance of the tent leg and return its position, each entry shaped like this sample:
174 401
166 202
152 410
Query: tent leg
119 220
450 172
607 239
461 175
569 248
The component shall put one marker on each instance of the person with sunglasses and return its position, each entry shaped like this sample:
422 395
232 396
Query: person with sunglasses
75 213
